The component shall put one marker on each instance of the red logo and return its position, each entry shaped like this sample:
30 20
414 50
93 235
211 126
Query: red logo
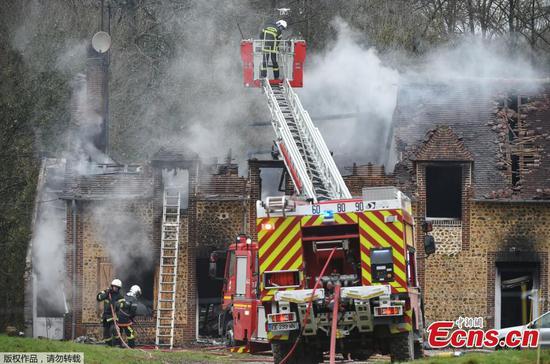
442 335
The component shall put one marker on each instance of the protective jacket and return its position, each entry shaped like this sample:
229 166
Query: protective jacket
109 297
127 309
270 34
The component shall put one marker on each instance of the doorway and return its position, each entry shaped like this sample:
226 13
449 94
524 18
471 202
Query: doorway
517 294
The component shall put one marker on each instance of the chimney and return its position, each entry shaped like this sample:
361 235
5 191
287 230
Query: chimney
97 94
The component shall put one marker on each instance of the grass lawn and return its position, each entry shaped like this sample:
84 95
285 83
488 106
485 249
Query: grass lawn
498 357
102 354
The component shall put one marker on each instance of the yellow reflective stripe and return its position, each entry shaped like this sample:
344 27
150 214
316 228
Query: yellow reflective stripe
282 245
132 332
298 263
382 226
288 255
271 30
398 224
120 300
275 236
383 241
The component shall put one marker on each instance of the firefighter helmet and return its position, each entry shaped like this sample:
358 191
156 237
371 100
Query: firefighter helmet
281 24
135 290
116 283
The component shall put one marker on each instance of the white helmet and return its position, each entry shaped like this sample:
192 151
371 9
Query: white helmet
116 283
281 24
135 290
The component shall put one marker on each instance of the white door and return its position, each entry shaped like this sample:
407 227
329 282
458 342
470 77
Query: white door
262 334
241 276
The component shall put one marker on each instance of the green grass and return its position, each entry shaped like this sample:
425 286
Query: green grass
498 357
102 354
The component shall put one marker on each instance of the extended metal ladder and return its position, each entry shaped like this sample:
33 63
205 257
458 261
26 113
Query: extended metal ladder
166 298
304 151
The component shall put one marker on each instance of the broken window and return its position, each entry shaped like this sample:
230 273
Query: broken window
444 192
177 179
521 152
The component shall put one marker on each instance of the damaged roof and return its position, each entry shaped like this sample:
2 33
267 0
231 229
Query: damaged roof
221 181
99 183
472 112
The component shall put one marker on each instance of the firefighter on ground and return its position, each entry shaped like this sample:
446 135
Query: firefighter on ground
110 298
271 36
126 311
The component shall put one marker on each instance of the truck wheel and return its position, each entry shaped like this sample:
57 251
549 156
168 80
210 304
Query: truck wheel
280 350
362 355
229 334
402 347
418 349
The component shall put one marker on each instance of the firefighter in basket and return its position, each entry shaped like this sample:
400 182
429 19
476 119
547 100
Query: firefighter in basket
270 37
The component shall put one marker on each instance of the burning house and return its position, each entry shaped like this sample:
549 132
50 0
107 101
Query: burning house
475 158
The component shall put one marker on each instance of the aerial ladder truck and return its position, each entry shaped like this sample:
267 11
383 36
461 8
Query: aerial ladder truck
329 271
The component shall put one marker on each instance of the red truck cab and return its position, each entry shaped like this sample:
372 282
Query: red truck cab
242 319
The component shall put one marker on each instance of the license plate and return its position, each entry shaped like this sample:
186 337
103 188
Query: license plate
282 326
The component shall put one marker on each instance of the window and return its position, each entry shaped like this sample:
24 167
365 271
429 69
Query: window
241 276
231 266
411 267
444 191
178 179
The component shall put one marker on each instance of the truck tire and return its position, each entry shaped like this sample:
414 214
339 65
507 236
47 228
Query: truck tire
402 347
362 355
281 349
418 349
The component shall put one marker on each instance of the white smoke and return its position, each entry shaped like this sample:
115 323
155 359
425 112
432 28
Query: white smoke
350 78
124 236
48 241
86 125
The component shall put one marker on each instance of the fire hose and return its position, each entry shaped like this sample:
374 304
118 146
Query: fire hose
308 309
117 329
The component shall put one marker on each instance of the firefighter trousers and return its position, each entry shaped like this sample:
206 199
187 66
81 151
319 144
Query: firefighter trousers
130 333
265 59
108 331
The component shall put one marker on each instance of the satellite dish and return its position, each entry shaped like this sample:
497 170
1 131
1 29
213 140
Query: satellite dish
101 41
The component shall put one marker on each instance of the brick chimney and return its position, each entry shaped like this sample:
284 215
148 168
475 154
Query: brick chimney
97 78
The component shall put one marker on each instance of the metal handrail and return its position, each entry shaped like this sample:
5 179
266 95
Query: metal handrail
317 146
283 134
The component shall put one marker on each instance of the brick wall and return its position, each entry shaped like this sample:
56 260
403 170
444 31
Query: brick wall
254 194
90 253
419 211
369 175
219 222
464 284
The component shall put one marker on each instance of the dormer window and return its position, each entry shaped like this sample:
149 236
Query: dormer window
444 191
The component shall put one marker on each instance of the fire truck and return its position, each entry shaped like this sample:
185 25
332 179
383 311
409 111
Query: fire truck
329 271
